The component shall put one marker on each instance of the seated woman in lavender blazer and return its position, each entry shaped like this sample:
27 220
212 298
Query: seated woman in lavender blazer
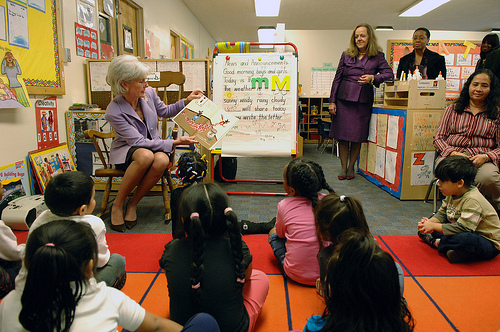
138 148
360 67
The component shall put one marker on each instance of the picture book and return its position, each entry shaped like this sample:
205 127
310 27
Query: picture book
206 121
47 163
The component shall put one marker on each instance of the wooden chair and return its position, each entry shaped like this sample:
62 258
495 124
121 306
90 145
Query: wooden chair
101 141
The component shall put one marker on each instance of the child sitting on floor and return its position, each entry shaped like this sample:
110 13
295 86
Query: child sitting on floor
71 195
210 270
466 227
334 215
191 168
61 293
10 256
361 290
294 240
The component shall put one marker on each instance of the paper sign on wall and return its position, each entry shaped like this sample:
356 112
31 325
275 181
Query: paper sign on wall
422 166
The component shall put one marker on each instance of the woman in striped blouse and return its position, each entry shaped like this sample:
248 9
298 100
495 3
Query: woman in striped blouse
471 127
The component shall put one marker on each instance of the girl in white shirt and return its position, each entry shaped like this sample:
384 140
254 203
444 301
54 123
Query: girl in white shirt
61 293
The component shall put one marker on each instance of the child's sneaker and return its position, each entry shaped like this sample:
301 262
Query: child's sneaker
459 256
427 238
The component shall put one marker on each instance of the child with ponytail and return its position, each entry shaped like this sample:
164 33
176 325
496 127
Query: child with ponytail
334 215
61 293
294 240
210 270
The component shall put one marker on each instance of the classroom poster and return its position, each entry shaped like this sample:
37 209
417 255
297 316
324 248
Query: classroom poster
15 181
206 121
457 56
47 131
86 42
425 125
261 90
422 166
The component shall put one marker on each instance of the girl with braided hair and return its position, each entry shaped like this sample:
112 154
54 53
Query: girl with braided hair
210 270
191 168
294 240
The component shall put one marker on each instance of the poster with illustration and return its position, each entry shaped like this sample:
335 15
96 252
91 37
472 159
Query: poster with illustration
205 120
15 180
46 122
13 92
47 163
86 42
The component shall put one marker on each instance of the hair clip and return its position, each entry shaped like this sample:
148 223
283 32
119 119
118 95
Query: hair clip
194 214
190 168
203 157
50 244
196 286
226 210
342 198
195 173
241 281
192 176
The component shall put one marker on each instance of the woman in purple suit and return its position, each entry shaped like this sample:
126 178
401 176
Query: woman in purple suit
138 148
360 67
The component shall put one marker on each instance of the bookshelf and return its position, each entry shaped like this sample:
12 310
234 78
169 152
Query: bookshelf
313 107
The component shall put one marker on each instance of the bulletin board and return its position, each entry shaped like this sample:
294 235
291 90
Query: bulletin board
31 32
458 68
195 70
261 90
399 155
381 158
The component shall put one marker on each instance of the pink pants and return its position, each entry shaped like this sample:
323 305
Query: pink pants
254 295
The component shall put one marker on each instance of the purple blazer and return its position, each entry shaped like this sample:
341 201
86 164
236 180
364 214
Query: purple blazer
345 85
132 131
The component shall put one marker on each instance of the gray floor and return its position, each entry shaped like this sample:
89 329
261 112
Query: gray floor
386 214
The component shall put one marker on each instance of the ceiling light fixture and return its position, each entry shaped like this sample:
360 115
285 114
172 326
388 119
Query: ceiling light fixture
384 28
422 7
495 30
267 7
266 35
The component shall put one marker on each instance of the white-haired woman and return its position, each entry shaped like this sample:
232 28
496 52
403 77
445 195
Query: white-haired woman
138 147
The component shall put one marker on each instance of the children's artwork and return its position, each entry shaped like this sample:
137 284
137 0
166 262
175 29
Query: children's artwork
86 42
205 120
422 165
46 122
13 92
15 181
47 163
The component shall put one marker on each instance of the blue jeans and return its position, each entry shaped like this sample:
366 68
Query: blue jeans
279 249
201 322
112 271
470 242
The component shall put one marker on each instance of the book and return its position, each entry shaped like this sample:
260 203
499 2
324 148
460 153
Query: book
206 121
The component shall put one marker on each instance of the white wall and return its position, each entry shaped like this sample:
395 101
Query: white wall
323 46
18 126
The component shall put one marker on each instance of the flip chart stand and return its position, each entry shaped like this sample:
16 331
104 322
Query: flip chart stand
233 49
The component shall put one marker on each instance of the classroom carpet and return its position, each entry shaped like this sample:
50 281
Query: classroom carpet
440 295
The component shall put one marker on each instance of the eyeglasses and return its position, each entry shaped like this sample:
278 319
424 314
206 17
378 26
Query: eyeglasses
144 81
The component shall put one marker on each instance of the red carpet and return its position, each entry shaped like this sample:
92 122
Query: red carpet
441 296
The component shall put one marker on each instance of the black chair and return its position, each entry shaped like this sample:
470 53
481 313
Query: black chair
324 135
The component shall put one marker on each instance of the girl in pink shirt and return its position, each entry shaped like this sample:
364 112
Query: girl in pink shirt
294 240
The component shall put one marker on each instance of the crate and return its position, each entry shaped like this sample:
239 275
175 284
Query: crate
422 94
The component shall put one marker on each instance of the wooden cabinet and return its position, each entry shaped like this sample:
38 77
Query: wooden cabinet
312 107
422 94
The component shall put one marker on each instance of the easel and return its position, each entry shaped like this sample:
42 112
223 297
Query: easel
231 48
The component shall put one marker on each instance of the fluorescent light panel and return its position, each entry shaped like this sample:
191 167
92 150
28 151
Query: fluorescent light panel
267 7
384 28
266 35
423 7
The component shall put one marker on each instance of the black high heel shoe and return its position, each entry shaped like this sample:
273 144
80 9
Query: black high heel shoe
118 228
